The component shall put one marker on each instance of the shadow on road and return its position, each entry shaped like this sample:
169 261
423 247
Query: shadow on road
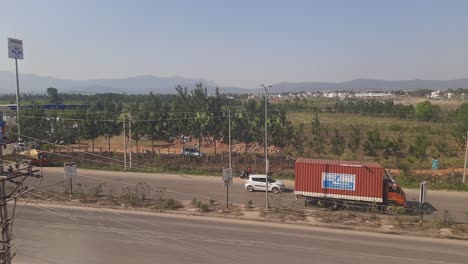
414 208
286 190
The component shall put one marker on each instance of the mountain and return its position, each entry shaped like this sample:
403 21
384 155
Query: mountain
368 85
30 83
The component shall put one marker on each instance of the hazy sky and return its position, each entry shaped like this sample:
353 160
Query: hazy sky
239 43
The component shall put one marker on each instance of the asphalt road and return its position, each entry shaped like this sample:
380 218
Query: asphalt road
81 236
187 187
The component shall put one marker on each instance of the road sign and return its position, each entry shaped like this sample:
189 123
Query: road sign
227 177
15 49
422 192
435 164
70 170
227 174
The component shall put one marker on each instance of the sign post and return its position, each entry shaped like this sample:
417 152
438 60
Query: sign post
422 199
70 173
435 164
15 51
227 179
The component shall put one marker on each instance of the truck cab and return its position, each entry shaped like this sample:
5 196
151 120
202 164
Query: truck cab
394 194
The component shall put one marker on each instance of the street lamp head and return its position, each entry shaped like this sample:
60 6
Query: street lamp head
266 87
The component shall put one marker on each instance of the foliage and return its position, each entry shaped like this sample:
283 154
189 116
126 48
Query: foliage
52 93
373 143
425 111
338 143
354 143
318 136
419 148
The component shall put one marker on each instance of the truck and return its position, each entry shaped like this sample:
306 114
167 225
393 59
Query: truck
338 183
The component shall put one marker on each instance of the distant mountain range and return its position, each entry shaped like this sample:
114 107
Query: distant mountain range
30 83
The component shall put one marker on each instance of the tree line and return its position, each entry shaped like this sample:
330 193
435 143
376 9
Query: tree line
192 113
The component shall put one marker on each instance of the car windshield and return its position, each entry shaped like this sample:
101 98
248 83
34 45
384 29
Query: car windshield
271 179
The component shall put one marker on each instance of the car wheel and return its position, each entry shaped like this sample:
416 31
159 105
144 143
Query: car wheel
275 190
250 188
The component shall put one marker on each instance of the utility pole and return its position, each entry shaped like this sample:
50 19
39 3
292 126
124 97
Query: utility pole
466 155
125 143
266 145
230 160
130 132
16 176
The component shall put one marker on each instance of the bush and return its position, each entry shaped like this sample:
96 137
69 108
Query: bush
96 191
170 204
130 195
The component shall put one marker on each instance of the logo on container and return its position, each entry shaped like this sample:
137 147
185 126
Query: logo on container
338 181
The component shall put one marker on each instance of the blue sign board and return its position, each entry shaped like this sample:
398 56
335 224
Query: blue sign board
435 164
338 181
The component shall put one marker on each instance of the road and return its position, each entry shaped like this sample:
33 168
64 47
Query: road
80 236
187 187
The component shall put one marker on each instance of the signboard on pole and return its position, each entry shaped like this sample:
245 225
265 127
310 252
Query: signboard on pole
227 177
422 192
15 49
70 170
435 164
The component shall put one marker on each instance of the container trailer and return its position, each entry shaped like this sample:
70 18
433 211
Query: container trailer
339 183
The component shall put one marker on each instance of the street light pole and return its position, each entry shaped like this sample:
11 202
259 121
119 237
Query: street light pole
266 144
466 156
17 101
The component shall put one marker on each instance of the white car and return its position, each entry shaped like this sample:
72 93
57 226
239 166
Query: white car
257 182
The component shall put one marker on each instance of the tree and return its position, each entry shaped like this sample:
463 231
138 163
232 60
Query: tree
34 124
461 125
216 121
393 148
419 148
110 120
373 143
90 126
318 135
299 139
354 143
137 122
424 111
52 93
338 143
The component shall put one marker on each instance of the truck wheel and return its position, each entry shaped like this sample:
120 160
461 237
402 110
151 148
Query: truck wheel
390 209
275 190
250 188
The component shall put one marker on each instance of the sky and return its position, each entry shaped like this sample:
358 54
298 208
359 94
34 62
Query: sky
240 43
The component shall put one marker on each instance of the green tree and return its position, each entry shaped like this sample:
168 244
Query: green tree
354 143
424 111
338 143
393 148
299 139
90 126
216 122
53 96
318 136
373 143
110 119
34 124
419 148
460 126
